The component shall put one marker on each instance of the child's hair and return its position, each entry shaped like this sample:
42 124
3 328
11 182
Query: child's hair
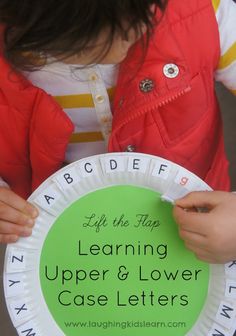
65 27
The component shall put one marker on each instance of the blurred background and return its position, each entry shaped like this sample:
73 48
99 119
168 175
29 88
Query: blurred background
228 106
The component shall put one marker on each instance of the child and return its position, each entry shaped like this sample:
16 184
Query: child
162 63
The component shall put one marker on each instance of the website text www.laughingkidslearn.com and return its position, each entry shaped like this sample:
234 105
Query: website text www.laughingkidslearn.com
124 324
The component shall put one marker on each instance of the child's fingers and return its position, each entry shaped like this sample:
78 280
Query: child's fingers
201 253
193 239
14 229
202 199
9 197
204 255
9 214
8 238
191 221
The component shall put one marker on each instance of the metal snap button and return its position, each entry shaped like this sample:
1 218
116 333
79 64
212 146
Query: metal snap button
146 85
130 148
171 70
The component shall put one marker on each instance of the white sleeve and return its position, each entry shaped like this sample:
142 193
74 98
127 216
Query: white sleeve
226 17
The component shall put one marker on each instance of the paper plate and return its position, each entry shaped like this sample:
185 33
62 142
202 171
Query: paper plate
105 257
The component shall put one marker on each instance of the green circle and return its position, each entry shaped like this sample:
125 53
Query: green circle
113 264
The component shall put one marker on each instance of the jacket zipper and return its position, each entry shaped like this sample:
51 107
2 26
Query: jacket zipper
160 104
174 97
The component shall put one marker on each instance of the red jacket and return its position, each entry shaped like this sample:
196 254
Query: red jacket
177 118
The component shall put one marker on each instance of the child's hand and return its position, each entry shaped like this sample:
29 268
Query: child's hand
210 235
16 216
